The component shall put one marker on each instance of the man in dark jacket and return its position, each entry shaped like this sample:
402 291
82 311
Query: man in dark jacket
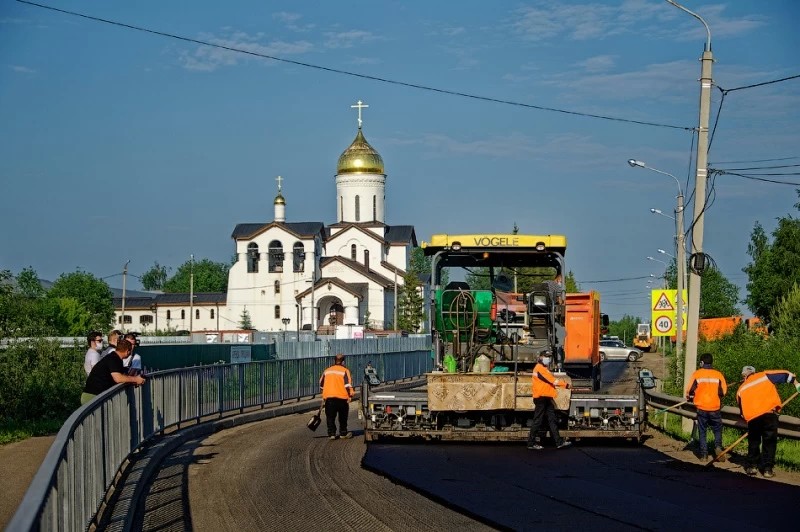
109 372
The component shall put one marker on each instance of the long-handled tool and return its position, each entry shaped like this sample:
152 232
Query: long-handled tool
743 436
676 405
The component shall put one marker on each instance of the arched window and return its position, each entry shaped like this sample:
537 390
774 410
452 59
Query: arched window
366 258
169 315
353 252
277 311
358 209
212 313
341 208
277 287
374 208
197 313
252 257
298 257
275 257
183 314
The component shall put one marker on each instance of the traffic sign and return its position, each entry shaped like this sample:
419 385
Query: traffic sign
663 302
663 324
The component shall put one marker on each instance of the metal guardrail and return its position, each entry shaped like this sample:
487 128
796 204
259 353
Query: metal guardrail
788 426
94 444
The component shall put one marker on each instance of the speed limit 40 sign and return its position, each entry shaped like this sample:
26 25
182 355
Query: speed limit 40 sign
664 325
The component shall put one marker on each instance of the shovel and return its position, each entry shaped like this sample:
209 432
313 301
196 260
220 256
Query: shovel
670 407
316 419
743 436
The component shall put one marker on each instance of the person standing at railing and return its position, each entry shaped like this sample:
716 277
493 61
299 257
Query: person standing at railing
337 391
113 337
706 389
95 339
109 372
133 363
760 404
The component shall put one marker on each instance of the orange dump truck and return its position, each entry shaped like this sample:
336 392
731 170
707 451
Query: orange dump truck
583 323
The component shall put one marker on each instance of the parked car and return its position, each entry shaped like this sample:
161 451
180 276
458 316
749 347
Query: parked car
616 350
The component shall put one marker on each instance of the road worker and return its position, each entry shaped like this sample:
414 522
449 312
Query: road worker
337 391
706 388
760 403
544 386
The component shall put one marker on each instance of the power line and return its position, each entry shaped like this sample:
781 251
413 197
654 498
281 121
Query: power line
762 167
754 178
756 161
763 83
354 74
615 280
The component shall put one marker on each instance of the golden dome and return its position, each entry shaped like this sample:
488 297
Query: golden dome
279 199
360 158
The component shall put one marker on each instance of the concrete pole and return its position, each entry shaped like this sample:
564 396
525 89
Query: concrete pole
124 279
680 273
191 295
693 317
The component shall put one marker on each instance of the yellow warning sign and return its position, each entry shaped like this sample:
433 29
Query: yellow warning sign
664 315
663 302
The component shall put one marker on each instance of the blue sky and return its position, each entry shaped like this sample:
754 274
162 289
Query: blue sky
122 145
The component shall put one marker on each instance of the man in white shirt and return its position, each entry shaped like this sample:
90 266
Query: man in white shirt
95 340
133 363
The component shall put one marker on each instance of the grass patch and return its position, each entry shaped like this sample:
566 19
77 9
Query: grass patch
11 431
787 456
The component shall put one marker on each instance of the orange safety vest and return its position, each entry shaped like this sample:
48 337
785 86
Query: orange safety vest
758 395
544 383
336 383
707 384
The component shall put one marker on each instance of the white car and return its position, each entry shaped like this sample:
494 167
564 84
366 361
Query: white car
616 350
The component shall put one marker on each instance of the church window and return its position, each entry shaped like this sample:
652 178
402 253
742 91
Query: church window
183 314
358 209
212 313
277 311
252 257
277 287
275 257
341 208
145 319
374 208
353 252
366 258
298 257
169 315
197 314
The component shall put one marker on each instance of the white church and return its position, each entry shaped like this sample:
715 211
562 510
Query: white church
302 275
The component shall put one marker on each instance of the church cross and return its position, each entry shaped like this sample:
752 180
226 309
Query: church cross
279 179
359 105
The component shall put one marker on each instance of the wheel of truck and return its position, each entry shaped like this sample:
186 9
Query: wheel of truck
632 357
602 356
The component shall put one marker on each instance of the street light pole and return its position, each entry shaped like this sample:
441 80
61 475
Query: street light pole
701 175
681 256
700 195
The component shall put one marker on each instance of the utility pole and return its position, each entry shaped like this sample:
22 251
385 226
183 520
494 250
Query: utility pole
681 273
191 294
124 279
693 318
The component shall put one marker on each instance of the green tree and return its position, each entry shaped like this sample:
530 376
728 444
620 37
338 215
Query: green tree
571 284
209 276
775 265
422 265
625 328
155 278
410 313
718 296
786 315
28 284
90 292
244 320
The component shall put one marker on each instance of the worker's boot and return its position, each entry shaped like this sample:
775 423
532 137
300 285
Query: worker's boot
769 473
751 470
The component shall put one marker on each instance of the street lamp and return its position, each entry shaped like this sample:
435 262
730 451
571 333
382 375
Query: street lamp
680 260
285 324
701 176
660 213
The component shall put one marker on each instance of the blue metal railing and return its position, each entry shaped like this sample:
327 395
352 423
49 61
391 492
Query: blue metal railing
97 439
